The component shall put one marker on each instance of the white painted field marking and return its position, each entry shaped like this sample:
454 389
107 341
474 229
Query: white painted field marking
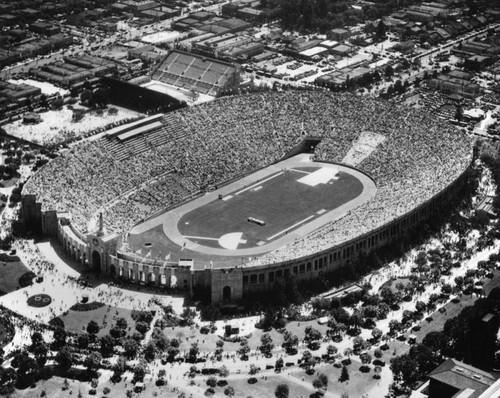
259 183
227 197
289 228
200 237
232 240
320 176
257 188
321 211
301 171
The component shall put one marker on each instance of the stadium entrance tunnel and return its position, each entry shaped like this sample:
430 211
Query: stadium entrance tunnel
307 145
96 261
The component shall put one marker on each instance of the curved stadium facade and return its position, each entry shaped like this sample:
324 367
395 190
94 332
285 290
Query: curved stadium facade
144 174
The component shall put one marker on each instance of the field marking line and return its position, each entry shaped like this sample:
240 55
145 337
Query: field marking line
200 237
291 227
259 183
301 171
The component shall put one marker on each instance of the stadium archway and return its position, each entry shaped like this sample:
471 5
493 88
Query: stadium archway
226 293
96 261
112 270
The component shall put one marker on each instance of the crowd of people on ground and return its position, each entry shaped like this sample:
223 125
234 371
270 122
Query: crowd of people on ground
233 136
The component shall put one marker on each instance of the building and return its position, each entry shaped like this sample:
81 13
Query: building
339 34
194 72
456 379
231 280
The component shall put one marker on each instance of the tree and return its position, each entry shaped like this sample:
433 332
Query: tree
420 306
40 352
83 340
388 296
389 71
317 384
365 358
344 374
323 379
266 345
8 379
142 327
282 391
436 341
172 352
121 323
407 367
290 343
150 351
426 358
358 344
381 30
131 348
211 381
394 326
93 328
229 391
376 334
223 371
25 364
193 353
59 339
139 372
312 334
92 362
279 364
243 351
36 339
85 97
118 369
218 354
64 358
398 86
107 345
331 350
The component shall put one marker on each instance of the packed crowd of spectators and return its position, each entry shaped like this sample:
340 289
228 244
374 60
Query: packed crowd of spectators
233 136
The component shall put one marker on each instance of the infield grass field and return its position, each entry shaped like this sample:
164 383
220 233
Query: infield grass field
281 201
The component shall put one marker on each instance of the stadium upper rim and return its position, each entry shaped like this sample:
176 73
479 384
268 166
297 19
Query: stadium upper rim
410 155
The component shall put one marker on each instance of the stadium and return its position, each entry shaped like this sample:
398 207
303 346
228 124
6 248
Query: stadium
229 196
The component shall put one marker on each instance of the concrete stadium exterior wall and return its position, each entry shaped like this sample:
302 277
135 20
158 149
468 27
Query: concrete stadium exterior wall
226 284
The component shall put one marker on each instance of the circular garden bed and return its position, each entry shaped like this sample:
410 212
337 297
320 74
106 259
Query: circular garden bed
39 300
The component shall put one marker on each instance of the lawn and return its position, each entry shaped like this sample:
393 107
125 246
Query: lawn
280 201
53 389
358 384
263 387
188 336
77 321
9 276
208 342
439 318
393 282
